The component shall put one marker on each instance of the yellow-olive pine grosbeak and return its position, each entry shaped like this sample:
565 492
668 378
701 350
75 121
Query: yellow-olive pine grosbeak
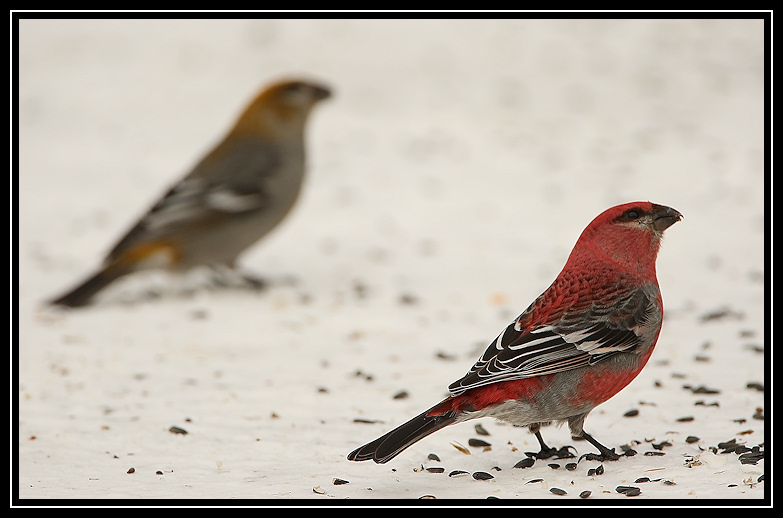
233 196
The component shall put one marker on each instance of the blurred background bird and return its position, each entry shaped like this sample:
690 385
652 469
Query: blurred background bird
234 196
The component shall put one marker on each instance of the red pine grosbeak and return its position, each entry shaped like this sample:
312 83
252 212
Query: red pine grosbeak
233 197
577 345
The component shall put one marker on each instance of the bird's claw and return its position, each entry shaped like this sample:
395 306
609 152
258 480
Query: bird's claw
605 455
547 453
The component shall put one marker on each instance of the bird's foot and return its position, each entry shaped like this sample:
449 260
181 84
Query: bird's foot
604 452
549 452
607 454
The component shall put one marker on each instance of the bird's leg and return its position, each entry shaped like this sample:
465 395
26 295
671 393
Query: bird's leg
253 282
605 453
228 276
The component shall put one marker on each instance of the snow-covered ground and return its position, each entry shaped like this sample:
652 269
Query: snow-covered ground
449 178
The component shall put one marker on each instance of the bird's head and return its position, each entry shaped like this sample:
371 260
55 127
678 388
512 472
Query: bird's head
629 234
282 107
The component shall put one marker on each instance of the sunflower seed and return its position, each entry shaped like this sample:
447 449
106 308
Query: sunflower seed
525 463
478 443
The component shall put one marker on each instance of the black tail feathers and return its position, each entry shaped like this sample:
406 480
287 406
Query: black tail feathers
82 294
388 446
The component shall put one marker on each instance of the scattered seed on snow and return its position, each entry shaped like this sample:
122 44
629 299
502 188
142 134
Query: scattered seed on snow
628 490
631 413
729 446
755 385
753 457
480 430
599 470
360 374
338 481
434 457
436 469
557 491
407 298
627 450
461 448
721 313
178 430
525 463
478 443
584 494
691 439
457 473
482 475
701 389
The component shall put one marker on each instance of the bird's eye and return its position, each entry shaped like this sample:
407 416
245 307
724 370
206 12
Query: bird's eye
632 214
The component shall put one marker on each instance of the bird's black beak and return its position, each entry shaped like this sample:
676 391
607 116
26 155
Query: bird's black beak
664 217
321 92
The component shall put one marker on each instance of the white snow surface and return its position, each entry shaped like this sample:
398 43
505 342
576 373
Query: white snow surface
448 179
